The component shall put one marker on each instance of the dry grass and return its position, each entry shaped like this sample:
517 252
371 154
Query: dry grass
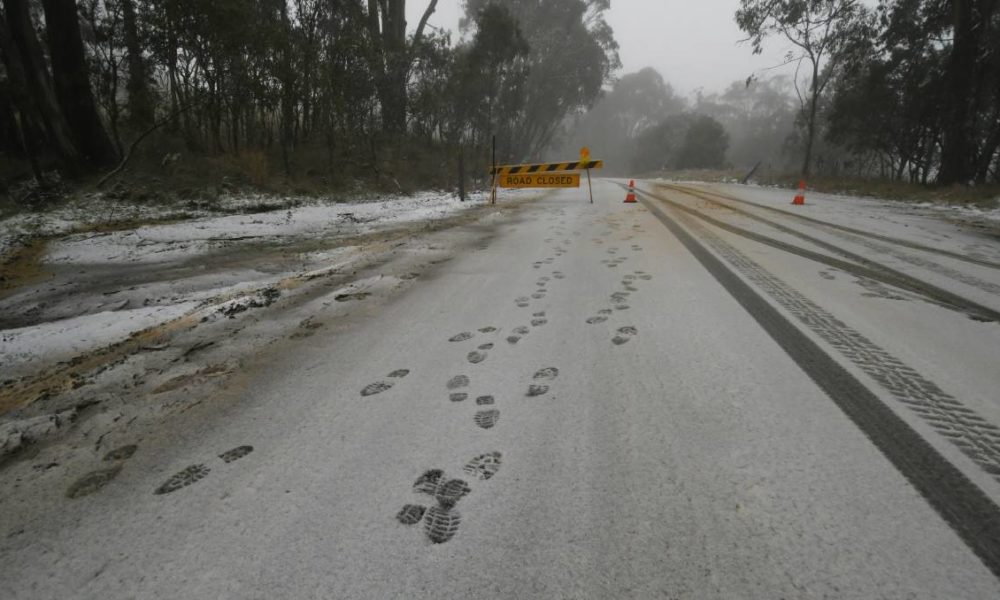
254 166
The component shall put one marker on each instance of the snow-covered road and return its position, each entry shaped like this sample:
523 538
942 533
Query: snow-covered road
563 400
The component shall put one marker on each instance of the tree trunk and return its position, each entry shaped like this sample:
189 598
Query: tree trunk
140 99
461 173
956 143
390 60
990 145
811 124
287 96
10 138
31 83
72 83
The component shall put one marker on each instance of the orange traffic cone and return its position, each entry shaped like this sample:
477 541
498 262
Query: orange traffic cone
800 198
630 197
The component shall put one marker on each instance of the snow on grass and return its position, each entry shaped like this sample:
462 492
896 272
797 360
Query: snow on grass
199 225
24 349
965 212
21 349
165 242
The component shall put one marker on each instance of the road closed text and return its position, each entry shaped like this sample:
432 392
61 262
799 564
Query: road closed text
540 180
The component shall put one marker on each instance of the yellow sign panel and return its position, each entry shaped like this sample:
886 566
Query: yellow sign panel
540 180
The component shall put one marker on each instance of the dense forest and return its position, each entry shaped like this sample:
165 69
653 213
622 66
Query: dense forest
341 90
908 90
342 87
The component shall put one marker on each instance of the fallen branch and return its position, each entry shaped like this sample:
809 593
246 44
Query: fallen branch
135 144
747 177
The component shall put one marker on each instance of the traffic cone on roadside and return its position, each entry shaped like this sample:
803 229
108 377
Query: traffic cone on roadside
630 197
800 198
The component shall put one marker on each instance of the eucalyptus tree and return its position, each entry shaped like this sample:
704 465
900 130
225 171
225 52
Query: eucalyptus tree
819 30
573 55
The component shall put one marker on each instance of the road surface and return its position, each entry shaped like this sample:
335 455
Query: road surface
696 396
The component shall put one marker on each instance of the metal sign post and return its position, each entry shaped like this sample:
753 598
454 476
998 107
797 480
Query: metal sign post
585 160
493 188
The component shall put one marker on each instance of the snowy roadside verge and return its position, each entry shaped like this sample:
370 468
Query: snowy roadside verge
232 216
959 212
980 214
197 242
321 260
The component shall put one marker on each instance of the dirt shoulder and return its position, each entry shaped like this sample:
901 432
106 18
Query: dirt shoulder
146 323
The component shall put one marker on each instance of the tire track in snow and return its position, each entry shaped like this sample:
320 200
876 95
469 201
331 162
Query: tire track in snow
962 504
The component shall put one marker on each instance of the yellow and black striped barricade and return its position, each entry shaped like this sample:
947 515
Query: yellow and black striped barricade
543 175
547 167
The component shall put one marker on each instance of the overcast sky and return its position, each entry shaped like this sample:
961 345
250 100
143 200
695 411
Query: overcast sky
692 43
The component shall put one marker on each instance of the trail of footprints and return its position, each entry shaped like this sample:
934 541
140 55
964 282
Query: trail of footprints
386 384
619 300
95 480
197 472
441 521
441 518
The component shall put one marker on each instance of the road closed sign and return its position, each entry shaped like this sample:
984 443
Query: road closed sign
540 180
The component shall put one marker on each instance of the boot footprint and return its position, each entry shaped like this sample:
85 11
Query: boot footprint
487 419
428 482
93 481
411 514
441 523
235 454
537 390
547 374
194 473
182 479
625 334
450 492
484 466
458 382
376 388
383 386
